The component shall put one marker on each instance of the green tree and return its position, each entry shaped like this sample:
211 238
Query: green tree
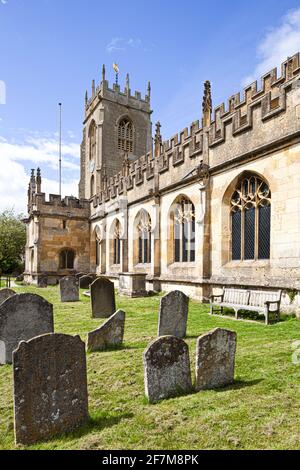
12 242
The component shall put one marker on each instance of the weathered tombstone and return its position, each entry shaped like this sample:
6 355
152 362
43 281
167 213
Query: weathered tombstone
166 368
22 317
50 387
173 314
42 281
215 359
79 275
103 298
5 294
85 282
69 289
111 333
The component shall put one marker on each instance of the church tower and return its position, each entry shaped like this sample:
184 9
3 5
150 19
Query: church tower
116 123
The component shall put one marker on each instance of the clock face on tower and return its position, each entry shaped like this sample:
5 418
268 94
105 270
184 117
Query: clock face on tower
92 166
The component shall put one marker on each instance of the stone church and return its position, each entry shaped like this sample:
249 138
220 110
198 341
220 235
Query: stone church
217 204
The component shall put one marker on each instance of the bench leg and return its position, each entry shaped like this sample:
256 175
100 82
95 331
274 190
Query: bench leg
236 314
267 317
211 310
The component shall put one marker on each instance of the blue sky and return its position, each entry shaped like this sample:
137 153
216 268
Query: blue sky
50 50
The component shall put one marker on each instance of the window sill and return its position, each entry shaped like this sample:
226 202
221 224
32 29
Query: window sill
183 264
258 263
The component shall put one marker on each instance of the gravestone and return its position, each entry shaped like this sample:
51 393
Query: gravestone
166 368
50 387
102 298
111 333
173 314
215 359
69 289
42 281
85 282
5 294
22 317
79 275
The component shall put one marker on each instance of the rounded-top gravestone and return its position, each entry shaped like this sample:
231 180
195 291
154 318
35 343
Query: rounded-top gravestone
85 281
69 289
215 359
50 387
103 298
6 294
166 368
22 317
173 314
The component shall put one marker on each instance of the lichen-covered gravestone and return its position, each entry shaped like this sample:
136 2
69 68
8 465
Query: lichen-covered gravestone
111 333
22 317
166 368
103 298
50 387
215 359
85 282
173 314
69 289
5 294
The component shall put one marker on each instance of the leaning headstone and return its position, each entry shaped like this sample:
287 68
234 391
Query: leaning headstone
22 317
111 333
166 368
103 298
173 314
42 281
215 359
85 282
50 387
69 289
6 294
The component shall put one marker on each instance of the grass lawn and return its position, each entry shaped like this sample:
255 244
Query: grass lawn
261 410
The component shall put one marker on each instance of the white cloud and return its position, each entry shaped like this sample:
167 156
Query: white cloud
121 44
278 44
40 151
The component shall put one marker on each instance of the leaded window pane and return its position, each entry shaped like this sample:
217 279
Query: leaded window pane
249 233
264 223
236 222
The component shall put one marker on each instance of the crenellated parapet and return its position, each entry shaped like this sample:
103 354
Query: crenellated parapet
68 206
270 97
114 93
233 126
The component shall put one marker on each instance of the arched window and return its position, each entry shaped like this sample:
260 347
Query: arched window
144 237
66 259
251 219
184 231
117 243
92 186
125 135
92 141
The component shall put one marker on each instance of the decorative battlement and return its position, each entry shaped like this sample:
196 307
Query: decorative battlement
37 199
271 97
104 91
188 145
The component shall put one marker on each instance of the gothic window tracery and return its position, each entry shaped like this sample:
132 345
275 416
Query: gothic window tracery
117 243
251 219
144 236
184 231
125 135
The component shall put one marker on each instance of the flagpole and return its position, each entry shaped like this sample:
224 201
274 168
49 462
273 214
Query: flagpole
60 118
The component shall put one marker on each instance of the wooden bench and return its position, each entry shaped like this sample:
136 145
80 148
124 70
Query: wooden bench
264 302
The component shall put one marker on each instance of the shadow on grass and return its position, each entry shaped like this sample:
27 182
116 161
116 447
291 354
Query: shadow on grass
95 423
239 384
